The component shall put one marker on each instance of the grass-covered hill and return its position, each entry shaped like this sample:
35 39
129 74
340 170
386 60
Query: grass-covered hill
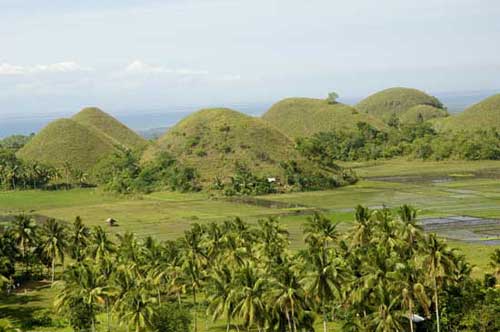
303 117
67 141
422 113
483 115
395 101
214 140
92 116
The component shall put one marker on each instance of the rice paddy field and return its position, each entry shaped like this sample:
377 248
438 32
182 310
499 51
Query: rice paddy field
458 200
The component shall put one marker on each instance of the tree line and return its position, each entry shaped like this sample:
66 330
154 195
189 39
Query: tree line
415 140
383 274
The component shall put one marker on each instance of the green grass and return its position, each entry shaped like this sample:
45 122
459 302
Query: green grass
302 117
96 118
483 115
213 140
68 141
385 103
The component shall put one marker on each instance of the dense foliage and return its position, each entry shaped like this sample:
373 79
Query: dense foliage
375 277
18 174
415 140
124 173
15 142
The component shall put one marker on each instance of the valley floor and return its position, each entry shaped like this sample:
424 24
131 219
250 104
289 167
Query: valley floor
437 189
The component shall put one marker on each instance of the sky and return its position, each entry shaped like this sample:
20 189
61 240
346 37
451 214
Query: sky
134 56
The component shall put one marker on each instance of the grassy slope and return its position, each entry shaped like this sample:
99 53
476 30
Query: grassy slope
427 112
213 140
385 103
65 140
483 115
104 122
299 117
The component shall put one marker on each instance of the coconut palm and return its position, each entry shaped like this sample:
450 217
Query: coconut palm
100 244
136 308
287 294
82 282
79 239
25 233
219 290
320 227
438 261
250 287
54 243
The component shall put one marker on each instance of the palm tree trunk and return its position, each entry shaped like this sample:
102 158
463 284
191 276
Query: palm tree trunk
437 304
288 320
324 319
159 297
228 323
195 317
53 268
108 314
411 316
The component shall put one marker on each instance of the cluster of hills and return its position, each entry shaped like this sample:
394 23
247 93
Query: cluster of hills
213 140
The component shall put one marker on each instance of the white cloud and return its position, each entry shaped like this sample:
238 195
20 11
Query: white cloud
140 67
59 67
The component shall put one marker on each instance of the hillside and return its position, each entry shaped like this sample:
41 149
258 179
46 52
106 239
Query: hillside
395 101
213 140
92 116
483 115
66 140
302 117
422 112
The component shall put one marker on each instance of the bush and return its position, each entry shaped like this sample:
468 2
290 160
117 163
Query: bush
172 318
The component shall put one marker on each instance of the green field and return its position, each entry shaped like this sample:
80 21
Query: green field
471 188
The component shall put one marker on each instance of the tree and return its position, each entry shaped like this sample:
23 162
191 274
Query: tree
79 239
219 290
438 261
332 97
250 288
54 242
25 232
171 318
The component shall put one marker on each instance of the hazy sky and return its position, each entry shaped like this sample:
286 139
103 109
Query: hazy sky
138 55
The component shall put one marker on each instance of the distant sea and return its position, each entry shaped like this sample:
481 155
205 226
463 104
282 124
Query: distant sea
145 120
139 120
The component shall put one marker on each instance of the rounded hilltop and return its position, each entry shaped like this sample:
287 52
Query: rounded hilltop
66 141
397 101
302 117
482 115
214 140
102 121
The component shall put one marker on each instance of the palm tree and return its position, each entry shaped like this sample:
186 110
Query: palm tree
136 308
82 282
250 287
320 227
100 244
194 260
287 294
439 263
54 243
79 239
25 232
220 287
324 277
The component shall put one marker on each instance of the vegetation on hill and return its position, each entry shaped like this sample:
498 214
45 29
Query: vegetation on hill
15 142
483 115
422 113
94 117
303 117
416 140
220 143
66 141
381 272
392 102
